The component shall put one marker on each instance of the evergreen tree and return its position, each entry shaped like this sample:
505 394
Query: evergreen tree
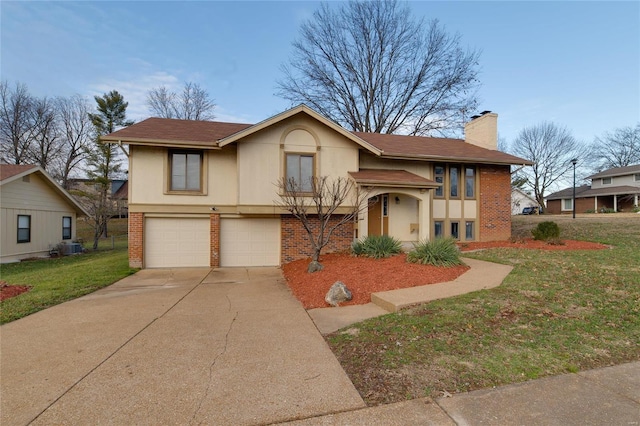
103 162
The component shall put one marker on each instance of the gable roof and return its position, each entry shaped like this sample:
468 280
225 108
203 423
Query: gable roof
10 170
215 135
437 149
617 171
175 133
13 172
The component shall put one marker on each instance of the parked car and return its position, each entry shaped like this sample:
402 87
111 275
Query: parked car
531 210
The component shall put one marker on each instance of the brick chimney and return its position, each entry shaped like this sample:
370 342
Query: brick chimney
482 130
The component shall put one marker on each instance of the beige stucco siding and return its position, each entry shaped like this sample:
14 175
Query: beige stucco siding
46 208
261 156
368 161
148 168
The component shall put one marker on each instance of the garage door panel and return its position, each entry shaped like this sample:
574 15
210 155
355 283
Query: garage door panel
249 242
176 242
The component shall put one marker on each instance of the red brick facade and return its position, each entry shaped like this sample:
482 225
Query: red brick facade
295 243
214 240
136 227
495 203
588 205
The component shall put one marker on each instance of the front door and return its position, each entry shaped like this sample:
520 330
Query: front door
379 216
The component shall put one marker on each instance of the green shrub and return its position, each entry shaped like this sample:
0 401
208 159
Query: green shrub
546 231
376 246
439 252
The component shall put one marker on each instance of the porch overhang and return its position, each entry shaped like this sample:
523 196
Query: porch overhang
392 178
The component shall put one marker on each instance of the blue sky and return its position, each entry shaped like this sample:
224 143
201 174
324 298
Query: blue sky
574 63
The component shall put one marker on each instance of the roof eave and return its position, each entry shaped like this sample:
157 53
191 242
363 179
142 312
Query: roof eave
168 143
376 182
452 159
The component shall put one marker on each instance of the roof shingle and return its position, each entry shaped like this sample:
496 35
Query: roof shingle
9 170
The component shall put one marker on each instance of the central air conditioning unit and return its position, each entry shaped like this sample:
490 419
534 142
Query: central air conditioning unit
71 248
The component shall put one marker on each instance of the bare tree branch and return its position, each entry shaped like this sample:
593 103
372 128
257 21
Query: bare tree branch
193 103
619 148
316 208
551 148
371 67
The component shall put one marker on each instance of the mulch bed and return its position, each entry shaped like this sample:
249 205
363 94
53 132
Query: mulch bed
7 291
364 276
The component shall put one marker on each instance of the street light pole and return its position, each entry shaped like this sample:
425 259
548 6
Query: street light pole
574 161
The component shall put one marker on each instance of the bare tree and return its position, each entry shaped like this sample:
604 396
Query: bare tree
16 126
315 203
551 148
193 103
371 67
46 145
619 148
76 133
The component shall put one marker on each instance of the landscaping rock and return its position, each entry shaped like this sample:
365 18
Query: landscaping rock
338 293
314 266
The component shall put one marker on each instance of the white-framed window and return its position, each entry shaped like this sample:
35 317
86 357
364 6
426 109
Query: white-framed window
299 168
186 171
636 177
567 204
606 181
66 227
24 228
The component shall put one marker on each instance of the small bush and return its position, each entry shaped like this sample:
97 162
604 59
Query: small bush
376 246
439 252
546 231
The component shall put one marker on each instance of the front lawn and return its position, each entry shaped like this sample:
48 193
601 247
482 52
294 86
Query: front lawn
557 312
54 281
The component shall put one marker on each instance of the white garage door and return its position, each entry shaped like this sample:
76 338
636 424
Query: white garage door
176 242
249 242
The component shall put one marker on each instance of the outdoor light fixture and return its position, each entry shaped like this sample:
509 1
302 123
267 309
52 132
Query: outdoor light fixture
574 161
397 200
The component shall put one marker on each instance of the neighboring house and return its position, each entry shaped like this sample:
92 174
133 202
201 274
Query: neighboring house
204 193
36 213
520 200
120 197
616 189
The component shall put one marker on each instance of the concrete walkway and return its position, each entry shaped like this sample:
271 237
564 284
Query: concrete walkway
481 275
606 396
188 346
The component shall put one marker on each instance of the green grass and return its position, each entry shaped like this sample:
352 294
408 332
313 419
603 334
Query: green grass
54 281
557 312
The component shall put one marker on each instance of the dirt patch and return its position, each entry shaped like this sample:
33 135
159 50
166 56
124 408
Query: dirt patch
362 276
529 243
7 291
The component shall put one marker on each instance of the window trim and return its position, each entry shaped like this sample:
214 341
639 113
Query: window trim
28 228
607 183
473 230
300 154
457 186
562 204
435 223
169 172
636 177
70 234
466 177
451 224
441 176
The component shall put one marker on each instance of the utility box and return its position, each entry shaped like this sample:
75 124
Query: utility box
71 248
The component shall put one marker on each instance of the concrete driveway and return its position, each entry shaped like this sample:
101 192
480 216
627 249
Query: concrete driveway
180 346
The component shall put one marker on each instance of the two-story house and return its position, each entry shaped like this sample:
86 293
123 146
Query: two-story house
204 193
616 189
